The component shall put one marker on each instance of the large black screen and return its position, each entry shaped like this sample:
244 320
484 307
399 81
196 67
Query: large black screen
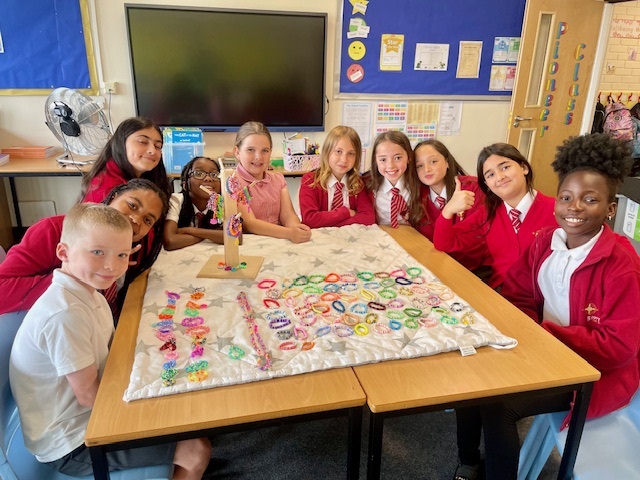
217 69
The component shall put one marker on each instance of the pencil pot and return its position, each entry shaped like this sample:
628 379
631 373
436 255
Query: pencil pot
300 163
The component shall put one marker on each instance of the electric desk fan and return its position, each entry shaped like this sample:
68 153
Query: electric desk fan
77 122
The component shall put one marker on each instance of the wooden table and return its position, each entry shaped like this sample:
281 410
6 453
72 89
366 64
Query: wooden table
539 363
115 424
37 167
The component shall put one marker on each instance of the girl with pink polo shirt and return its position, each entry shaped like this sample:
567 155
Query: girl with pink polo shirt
271 212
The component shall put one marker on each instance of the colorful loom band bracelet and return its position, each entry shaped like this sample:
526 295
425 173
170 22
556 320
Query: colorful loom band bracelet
313 289
371 285
440 310
403 281
316 278
191 312
269 303
291 302
311 298
419 290
388 282
419 280
291 292
381 275
198 331
365 276
381 328
428 322
277 323
322 331
395 325
433 300
348 278
395 303
349 297
235 352
307 345
171 355
287 345
350 319
300 281
332 287
359 308
414 271
407 292
436 287
371 317
457 307
387 293
448 319
377 306
273 293
367 294
412 312
394 314
308 320
329 296
446 295
468 319
276 314
342 330
332 278
411 323
349 287
266 284
361 329
321 308
398 273
284 334
300 333
338 306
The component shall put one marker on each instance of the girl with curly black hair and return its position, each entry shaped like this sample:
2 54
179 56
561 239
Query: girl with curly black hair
581 283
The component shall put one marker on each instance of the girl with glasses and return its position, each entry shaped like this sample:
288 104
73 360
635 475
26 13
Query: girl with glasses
189 219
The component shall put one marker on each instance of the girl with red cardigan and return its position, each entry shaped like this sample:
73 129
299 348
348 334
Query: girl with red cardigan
581 283
333 195
512 215
439 174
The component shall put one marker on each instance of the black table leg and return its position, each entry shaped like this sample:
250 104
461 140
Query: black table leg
374 459
99 462
576 425
354 443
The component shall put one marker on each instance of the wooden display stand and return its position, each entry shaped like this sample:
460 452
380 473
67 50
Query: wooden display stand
231 255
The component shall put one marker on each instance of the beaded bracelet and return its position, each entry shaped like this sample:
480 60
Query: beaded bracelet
381 275
271 303
419 290
291 302
365 276
300 280
332 287
308 320
371 285
302 311
394 314
348 278
381 328
266 284
440 310
349 297
287 346
329 296
433 300
291 292
412 312
316 278
367 294
277 323
414 271
349 287
377 306
311 298
342 330
321 308
361 329
332 278
313 289
428 322
388 282
456 307
407 292
284 334
395 325
235 352
448 319
468 318
446 295
387 293
307 345
338 306
403 281
395 303
359 308
322 331
273 293
300 333
371 317
350 319
398 273
411 323
436 287
419 280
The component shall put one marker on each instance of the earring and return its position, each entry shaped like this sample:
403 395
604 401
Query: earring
609 217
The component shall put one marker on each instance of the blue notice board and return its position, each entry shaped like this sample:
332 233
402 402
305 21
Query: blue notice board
422 22
44 45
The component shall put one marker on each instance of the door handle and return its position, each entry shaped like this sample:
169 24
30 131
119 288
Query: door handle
519 119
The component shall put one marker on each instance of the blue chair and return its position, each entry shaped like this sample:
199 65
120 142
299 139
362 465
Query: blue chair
608 448
16 462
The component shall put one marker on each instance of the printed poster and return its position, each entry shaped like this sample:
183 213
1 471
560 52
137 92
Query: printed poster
431 56
469 60
631 226
359 116
514 49
391 50
501 49
450 118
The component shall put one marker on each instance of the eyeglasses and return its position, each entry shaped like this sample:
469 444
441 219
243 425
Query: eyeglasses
201 175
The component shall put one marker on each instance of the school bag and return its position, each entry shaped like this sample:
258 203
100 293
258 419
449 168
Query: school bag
618 121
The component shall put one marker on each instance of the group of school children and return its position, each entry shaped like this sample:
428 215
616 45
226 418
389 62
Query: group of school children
554 258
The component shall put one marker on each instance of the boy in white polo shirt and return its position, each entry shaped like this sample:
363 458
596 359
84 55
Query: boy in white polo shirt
60 351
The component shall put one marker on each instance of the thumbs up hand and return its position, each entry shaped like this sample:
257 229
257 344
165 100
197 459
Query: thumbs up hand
460 201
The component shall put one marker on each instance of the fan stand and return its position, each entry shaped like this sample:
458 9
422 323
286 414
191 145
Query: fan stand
67 159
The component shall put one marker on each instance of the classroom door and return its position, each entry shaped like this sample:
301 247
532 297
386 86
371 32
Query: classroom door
557 51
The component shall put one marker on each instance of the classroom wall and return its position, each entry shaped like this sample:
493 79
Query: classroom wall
22 117
621 69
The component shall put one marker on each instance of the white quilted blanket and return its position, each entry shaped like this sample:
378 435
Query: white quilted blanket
416 315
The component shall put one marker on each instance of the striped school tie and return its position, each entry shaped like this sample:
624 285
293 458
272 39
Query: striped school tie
398 206
111 293
337 197
199 217
515 219
440 202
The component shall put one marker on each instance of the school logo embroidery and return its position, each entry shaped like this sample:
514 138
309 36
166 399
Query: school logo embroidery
591 309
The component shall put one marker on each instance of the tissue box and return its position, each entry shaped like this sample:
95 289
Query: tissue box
180 146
